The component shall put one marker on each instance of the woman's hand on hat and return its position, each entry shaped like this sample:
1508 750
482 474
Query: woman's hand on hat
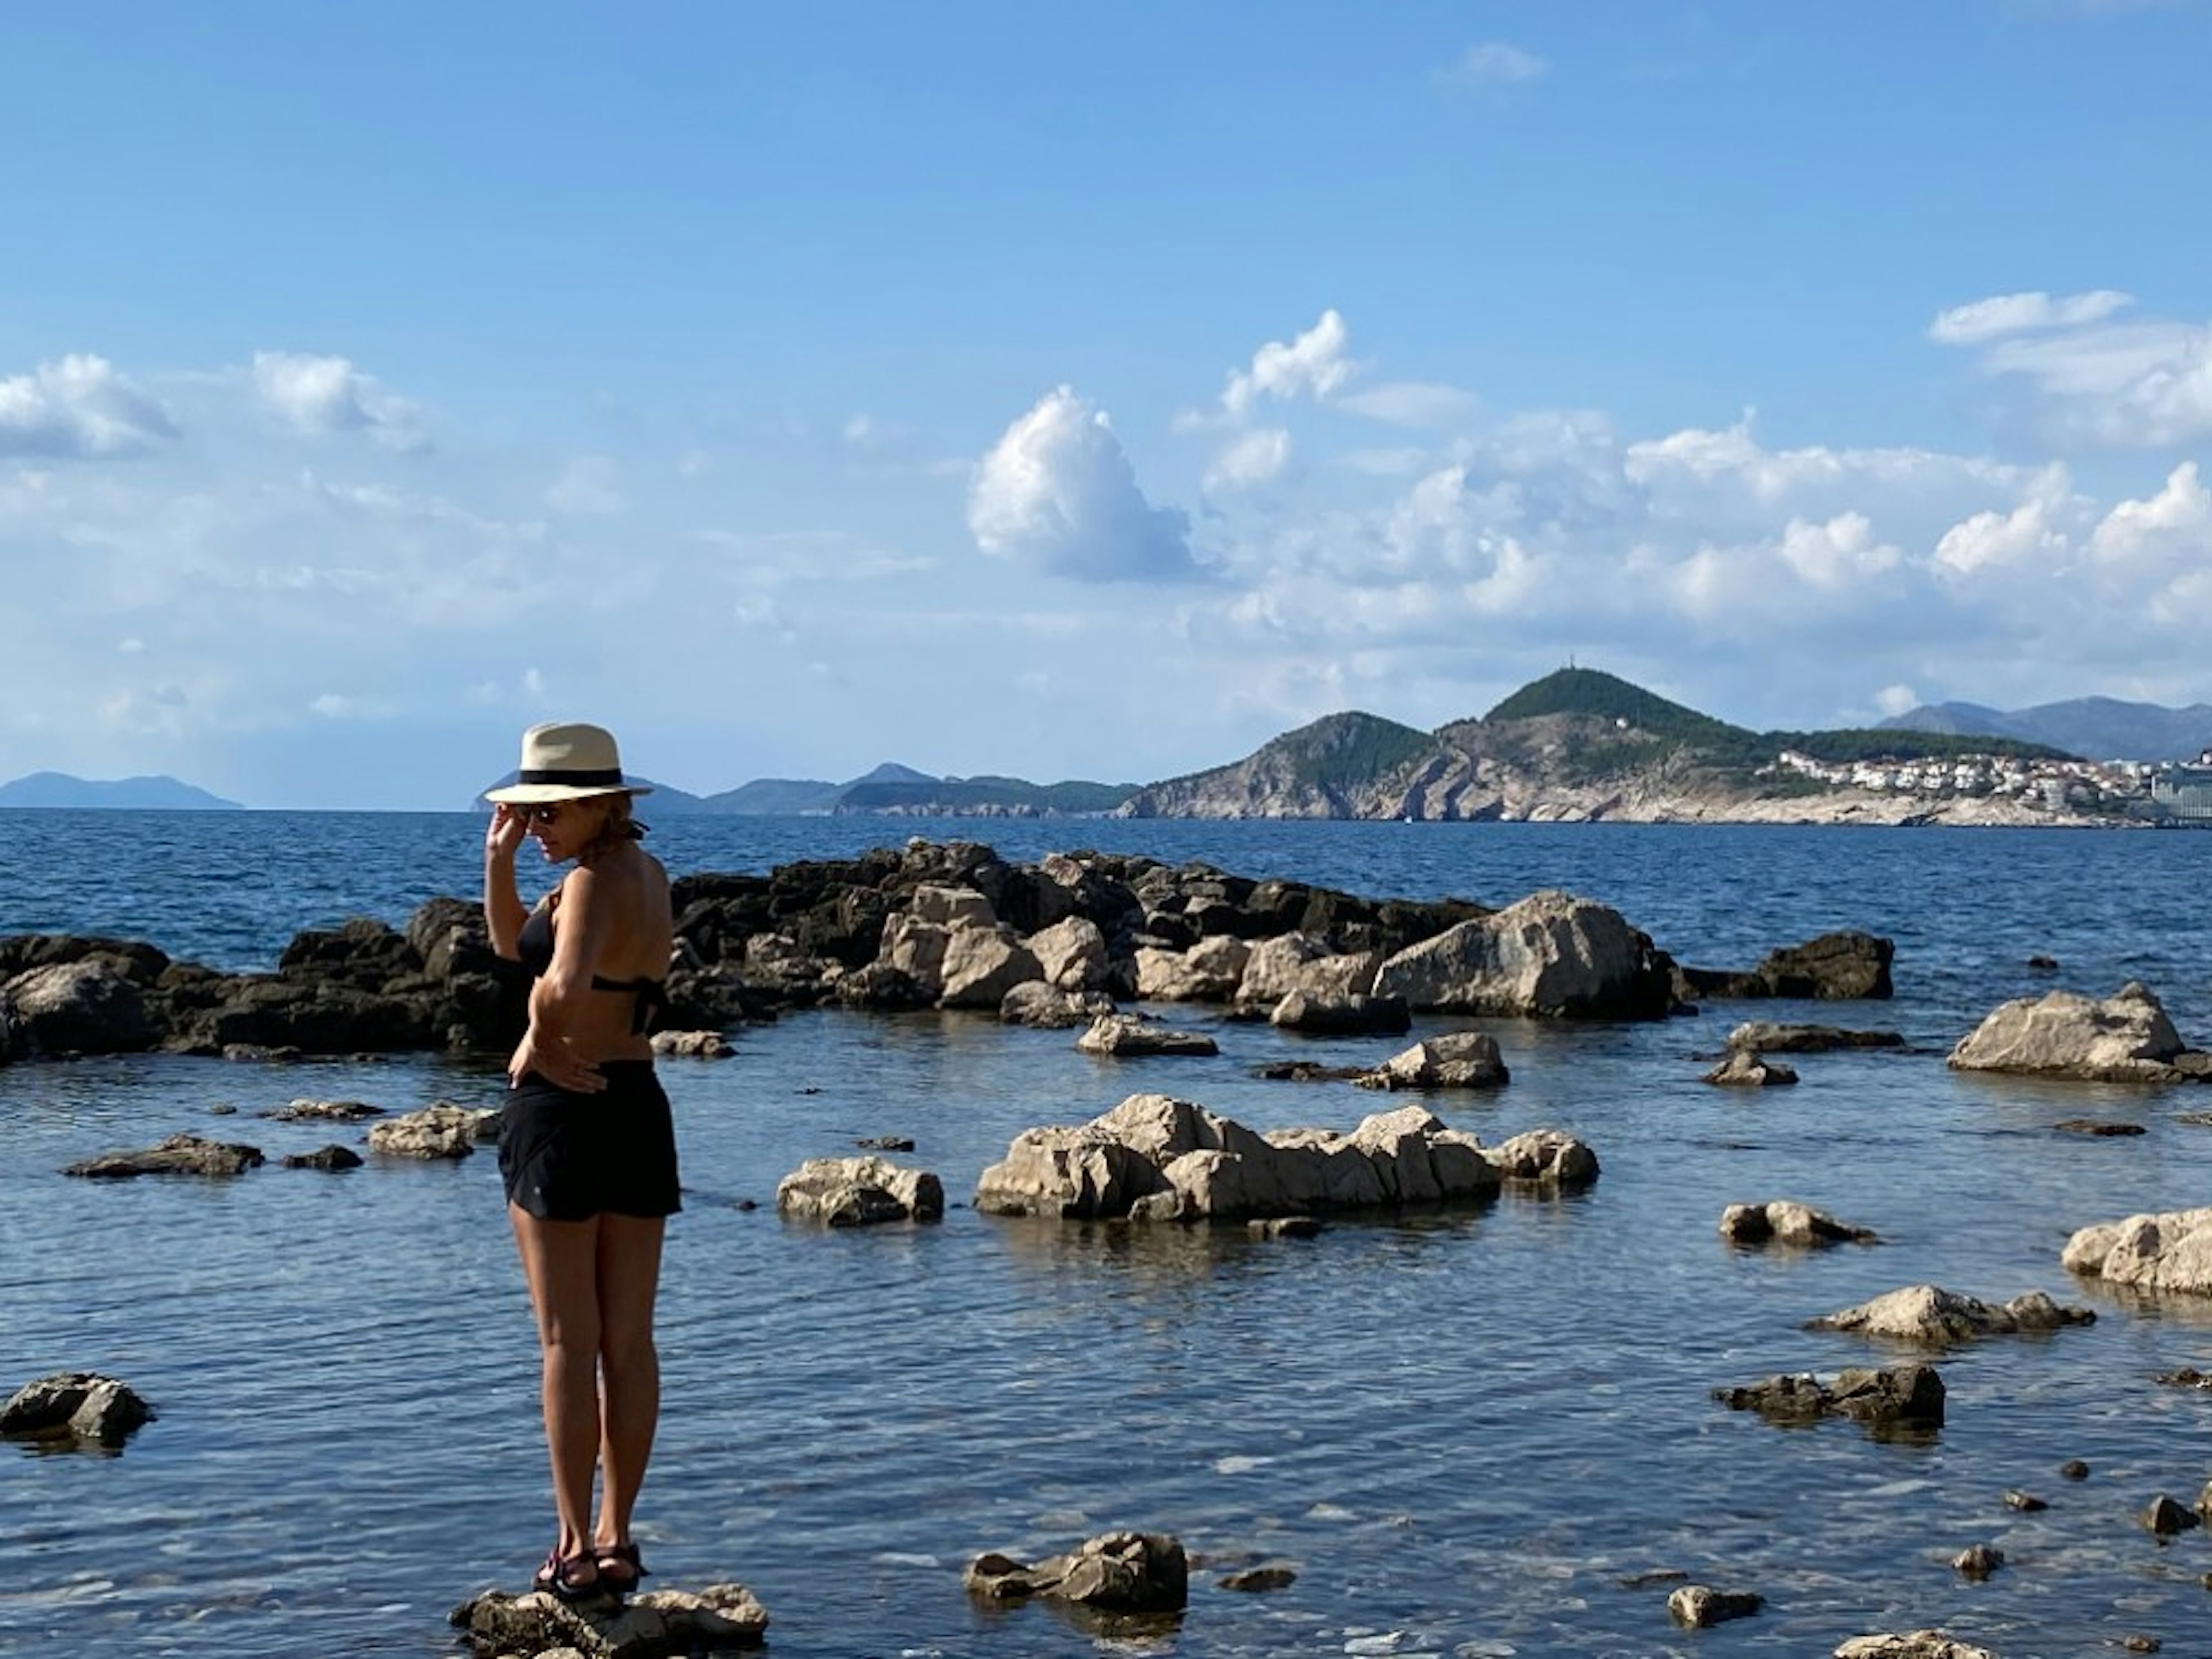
504 834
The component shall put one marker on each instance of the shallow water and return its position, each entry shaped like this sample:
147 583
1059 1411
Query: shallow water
1464 1430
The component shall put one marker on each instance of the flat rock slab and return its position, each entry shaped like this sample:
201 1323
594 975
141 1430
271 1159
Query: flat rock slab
859 1192
1744 1069
177 1155
1125 1036
1458 1059
721 1619
1935 1317
442 1131
1918 1645
1768 1036
2125 1038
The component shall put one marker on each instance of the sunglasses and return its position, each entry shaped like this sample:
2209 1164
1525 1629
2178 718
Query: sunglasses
549 814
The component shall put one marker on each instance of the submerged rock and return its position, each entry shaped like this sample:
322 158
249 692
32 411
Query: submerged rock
2170 1250
1770 1037
83 1407
1908 1396
177 1155
1699 1606
1929 1315
326 1111
1744 1070
721 1617
324 1158
1318 1013
1116 1573
1037 1004
858 1192
1781 1222
1977 1561
2125 1038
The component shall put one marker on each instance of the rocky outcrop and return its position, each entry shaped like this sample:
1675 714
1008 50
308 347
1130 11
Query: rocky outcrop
1910 1396
1550 955
2125 1038
982 965
722 1618
1781 1222
1209 971
1298 961
2171 1250
1458 1059
1071 955
691 1045
1116 1573
177 1155
859 1192
83 1409
1125 1036
440 1130
1935 1317
1160 1158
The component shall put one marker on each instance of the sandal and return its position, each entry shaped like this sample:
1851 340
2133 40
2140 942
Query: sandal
620 1566
559 1576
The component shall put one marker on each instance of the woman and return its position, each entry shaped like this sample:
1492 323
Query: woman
588 1148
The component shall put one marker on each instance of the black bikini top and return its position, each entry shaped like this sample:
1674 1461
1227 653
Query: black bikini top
533 947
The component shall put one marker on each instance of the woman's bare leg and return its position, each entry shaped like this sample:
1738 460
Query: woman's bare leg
560 1260
630 1366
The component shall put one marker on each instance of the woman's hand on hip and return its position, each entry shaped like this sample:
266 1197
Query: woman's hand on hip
558 1064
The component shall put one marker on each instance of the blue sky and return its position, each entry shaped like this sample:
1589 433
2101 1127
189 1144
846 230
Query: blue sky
1075 391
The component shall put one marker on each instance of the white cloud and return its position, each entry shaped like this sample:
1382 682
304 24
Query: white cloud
1895 700
589 484
1412 403
1057 493
1838 553
318 395
1983 320
2024 536
1254 458
333 706
1492 62
1313 365
78 406
2177 519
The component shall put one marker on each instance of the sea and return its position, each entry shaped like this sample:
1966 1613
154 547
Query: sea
1477 1433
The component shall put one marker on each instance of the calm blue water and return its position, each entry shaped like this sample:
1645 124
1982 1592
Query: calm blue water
1464 1433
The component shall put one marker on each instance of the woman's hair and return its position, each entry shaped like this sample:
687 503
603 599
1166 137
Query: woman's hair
617 827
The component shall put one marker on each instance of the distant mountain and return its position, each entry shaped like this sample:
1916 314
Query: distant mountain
1577 743
2095 728
159 794
775 797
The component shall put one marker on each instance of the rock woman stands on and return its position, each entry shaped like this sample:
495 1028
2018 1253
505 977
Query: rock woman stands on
588 1148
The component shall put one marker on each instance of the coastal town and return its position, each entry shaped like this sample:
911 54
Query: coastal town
2151 791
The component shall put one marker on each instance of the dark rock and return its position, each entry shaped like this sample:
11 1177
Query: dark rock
1773 1037
2097 1127
1906 1396
1307 1071
1844 966
80 1406
2187 1377
2165 1516
1283 1226
324 1158
2074 1470
884 1144
2043 964
1312 1015
86 1006
1259 1578
722 1618
2025 1502
883 988
326 1111
177 1155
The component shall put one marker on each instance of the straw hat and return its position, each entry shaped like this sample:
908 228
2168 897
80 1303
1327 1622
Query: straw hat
567 762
